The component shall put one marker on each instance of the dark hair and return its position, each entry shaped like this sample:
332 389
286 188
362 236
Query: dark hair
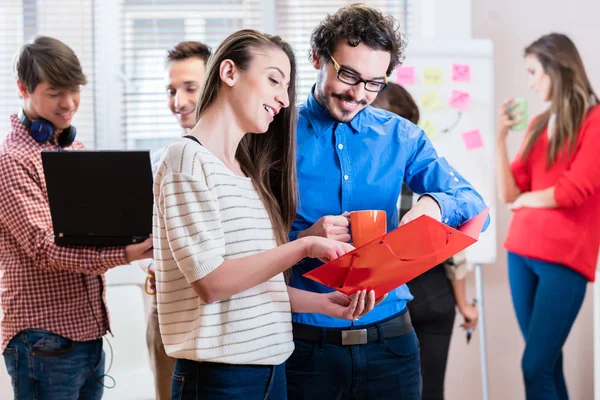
396 99
268 159
48 60
571 94
185 50
358 23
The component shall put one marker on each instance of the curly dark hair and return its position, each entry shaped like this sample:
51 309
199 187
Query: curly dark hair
359 23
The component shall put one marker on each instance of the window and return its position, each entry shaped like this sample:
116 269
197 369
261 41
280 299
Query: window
149 28
122 47
70 21
11 25
147 122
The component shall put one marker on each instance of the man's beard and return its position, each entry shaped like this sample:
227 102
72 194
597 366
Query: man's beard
322 99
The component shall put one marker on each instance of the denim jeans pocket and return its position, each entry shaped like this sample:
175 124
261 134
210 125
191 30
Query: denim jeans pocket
11 360
403 346
177 387
47 344
305 354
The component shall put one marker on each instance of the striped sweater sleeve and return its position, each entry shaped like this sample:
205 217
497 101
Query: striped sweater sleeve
193 226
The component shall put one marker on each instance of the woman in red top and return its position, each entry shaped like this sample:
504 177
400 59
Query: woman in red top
552 185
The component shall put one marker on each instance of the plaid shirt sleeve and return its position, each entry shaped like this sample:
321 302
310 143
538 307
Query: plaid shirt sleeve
24 209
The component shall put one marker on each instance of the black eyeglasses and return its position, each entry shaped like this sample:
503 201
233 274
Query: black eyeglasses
350 78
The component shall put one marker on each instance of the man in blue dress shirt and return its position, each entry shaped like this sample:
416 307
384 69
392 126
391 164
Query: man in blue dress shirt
352 157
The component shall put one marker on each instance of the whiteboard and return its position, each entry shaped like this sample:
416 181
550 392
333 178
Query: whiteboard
461 127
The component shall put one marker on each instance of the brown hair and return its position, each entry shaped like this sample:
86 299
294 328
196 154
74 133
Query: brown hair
571 94
358 23
268 159
396 99
189 49
48 60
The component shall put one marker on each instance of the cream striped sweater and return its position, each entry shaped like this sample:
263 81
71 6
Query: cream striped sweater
205 214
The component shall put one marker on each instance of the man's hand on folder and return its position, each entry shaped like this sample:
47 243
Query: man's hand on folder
398 256
331 226
425 206
338 305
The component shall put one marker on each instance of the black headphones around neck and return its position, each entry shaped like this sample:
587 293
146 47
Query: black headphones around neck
42 130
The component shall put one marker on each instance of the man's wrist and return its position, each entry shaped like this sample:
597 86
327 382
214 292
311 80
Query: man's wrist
435 201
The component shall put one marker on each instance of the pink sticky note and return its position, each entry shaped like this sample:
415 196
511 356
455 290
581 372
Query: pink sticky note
405 76
461 73
472 139
460 100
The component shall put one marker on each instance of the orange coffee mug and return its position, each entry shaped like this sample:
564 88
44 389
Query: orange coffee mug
366 226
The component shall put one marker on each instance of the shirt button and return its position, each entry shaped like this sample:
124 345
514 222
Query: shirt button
445 220
346 177
451 173
455 179
340 146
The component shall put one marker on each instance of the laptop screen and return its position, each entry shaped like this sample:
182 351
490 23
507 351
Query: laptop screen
99 197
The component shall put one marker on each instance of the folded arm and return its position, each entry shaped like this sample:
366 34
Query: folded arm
429 175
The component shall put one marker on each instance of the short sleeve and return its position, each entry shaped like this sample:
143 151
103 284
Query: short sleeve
194 232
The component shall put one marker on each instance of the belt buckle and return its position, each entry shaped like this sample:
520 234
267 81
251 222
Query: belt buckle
354 337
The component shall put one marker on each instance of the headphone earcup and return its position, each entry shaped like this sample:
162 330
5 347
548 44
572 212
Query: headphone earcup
41 130
67 137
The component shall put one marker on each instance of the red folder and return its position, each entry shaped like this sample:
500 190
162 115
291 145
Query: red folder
398 256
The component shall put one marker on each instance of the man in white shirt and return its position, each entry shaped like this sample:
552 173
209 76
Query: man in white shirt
186 65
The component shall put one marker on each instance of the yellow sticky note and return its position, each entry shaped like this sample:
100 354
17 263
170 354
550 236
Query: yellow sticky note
429 128
431 101
432 76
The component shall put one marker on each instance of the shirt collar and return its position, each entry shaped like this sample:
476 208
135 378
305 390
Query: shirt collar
17 126
321 120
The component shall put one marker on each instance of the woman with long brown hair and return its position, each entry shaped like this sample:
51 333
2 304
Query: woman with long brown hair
552 185
225 197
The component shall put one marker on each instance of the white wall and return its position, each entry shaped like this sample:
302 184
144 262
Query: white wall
512 25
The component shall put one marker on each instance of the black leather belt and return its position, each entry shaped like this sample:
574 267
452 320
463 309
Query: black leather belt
396 326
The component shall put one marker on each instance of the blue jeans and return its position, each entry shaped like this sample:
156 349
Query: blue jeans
214 381
547 298
43 365
384 369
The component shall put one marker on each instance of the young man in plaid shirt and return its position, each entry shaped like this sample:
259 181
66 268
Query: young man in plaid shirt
52 298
